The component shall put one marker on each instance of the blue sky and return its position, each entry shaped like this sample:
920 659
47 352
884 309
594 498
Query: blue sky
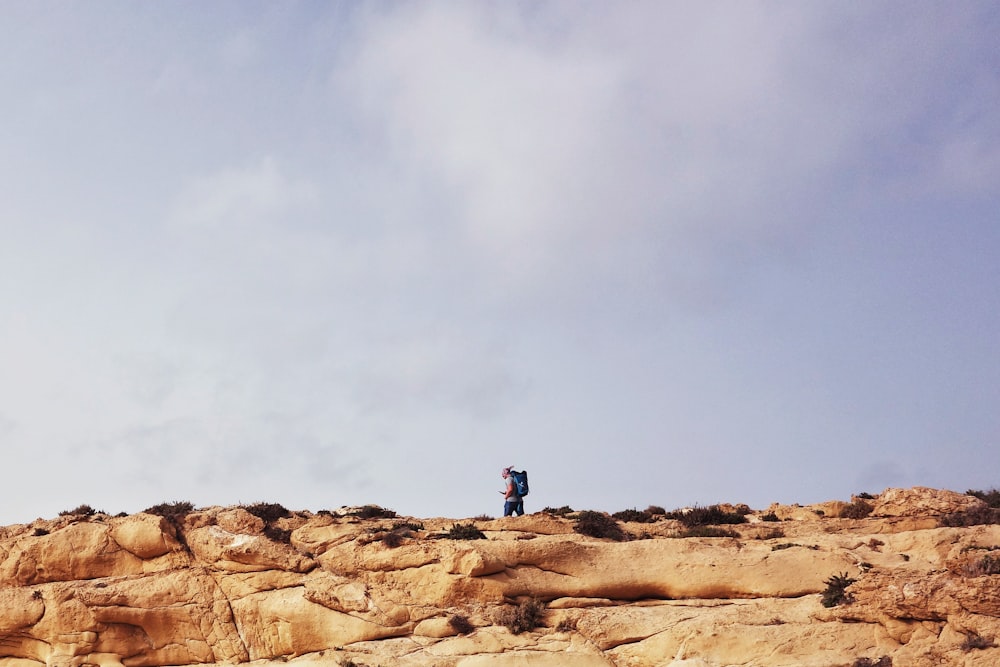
329 254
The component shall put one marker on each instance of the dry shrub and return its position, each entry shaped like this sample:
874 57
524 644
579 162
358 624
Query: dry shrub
707 531
522 617
974 641
373 512
978 516
712 515
857 509
461 624
467 531
597 524
174 511
267 512
82 510
884 661
634 516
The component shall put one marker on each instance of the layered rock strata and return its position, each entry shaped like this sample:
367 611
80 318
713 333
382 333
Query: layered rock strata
222 585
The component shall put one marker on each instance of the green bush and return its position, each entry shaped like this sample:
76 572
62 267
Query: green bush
597 524
836 590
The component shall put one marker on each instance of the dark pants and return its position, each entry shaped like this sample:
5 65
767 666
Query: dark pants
513 507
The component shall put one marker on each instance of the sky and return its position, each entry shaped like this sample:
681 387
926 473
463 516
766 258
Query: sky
328 254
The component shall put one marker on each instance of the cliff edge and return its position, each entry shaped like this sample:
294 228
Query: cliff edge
910 577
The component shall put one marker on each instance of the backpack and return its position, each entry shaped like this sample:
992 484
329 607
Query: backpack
520 482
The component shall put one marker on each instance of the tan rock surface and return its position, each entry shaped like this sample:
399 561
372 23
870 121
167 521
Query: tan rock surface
224 586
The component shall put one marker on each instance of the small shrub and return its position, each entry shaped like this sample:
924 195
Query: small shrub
82 510
708 531
884 661
857 509
770 516
278 534
407 525
395 538
655 510
36 594
985 566
634 516
836 590
565 510
373 512
712 515
991 497
174 510
468 531
773 534
566 625
864 496
268 512
974 641
461 624
978 516
523 617
39 532
597 524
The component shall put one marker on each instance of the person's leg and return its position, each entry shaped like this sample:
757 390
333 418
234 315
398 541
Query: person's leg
508 508
520 508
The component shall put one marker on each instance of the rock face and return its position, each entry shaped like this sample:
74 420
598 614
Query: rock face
235 585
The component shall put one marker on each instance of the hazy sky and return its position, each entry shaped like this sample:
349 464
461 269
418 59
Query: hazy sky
327 254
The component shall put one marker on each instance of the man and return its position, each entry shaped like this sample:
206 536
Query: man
513 503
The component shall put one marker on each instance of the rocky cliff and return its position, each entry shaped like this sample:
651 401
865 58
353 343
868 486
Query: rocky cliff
803 586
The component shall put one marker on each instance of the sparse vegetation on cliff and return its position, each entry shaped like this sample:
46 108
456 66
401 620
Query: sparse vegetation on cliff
598 524
522 617
466 531
991 497
712 515
859 508
836 590
172 511
80 511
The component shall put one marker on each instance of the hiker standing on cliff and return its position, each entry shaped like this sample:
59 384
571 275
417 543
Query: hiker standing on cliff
513 502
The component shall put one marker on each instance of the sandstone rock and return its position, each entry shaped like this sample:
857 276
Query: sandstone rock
239 552
921 501
130 591
144 535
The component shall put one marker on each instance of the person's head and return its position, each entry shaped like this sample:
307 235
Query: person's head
506 472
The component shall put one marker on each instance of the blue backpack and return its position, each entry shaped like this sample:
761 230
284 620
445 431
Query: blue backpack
520 482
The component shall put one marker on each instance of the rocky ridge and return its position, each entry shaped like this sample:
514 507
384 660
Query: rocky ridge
803 586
